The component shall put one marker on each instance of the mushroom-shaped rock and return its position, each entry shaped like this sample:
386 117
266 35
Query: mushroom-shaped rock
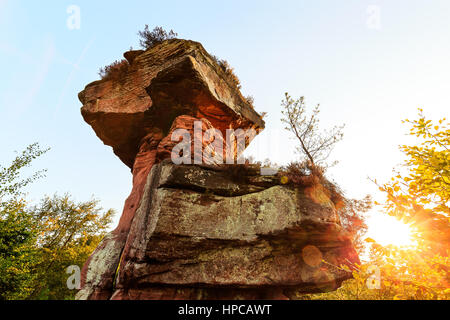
201 231
167 87
176 77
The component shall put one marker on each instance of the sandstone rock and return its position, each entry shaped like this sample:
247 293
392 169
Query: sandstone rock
177 77
205 231
201 232
165 88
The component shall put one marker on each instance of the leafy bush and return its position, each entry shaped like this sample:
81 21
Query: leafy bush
157 35
68 232
38 243
114 71
417 196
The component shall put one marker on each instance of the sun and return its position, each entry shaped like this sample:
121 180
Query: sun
387 230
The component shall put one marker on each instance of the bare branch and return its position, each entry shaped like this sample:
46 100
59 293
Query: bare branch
315 147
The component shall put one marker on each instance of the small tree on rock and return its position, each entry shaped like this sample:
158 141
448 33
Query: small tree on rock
157 35
315 146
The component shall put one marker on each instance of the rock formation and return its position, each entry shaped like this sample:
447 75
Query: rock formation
204 231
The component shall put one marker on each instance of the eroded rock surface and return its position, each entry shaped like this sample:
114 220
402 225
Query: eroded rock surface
165 88
177 77
200 231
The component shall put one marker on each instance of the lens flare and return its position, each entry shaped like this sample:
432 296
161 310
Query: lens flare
387 230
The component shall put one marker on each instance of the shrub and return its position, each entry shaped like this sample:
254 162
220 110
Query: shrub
350 211
306 174
303 174
115 70
157 35
229 71
250 100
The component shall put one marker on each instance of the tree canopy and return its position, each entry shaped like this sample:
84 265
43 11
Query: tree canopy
38 242
419 197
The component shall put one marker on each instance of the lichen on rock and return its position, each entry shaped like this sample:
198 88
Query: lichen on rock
201 231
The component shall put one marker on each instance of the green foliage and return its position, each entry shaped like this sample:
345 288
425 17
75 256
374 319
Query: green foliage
17 236
10 182
420 198
403 275
17 251
353 289
38 243
67 232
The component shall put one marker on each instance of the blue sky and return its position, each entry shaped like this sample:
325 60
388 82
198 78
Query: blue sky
368 76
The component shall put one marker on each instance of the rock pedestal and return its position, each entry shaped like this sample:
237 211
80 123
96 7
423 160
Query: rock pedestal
205 231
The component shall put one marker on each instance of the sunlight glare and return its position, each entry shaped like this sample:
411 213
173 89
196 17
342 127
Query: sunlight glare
387 230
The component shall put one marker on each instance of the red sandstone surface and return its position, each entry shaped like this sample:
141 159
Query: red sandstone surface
199 232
